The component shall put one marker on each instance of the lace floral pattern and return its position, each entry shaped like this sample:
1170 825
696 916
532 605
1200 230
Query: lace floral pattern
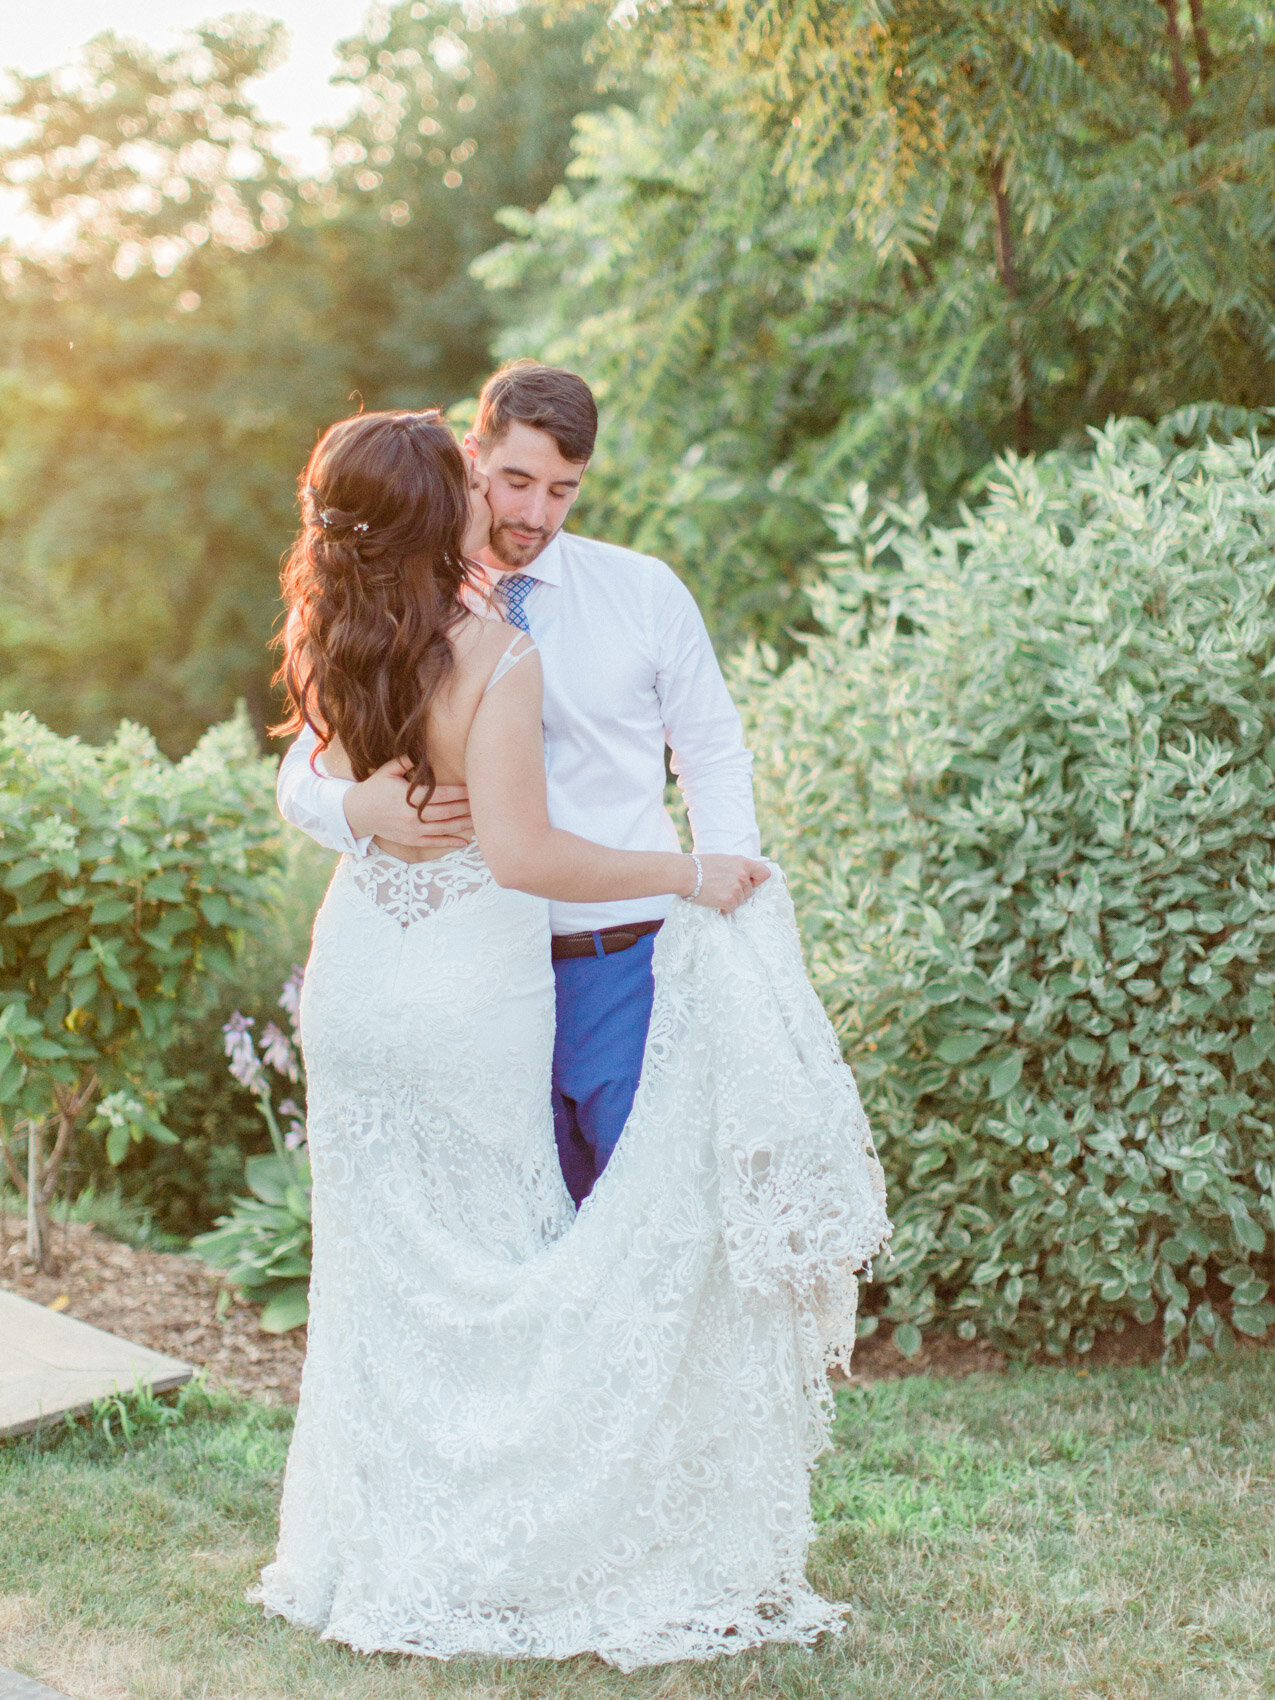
529 1434
411 891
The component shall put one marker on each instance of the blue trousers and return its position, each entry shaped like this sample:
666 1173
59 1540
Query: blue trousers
604 1010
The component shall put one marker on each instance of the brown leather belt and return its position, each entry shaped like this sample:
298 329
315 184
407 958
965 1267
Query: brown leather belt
605 942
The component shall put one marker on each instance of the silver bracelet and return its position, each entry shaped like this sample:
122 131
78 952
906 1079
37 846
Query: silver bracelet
699 877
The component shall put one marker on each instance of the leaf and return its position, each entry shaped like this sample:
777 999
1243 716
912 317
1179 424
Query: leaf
1247 1232
216 911
24 871
168 887
1253 1319
270 1177
108 910
117 1142
34 915
1006 1075
1247 1056
907 1337
960 1047
289 1310
1086 1051
45 1050
61 951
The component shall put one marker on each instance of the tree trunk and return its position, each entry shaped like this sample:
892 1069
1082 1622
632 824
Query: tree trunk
37 1216
1200 36
1181 82
37 1181
1005 265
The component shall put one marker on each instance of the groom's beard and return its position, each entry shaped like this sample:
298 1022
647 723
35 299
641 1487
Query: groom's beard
513 551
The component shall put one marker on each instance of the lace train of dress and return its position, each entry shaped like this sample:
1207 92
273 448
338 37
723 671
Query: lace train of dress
532 1434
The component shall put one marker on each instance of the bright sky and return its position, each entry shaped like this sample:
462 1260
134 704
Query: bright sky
36 35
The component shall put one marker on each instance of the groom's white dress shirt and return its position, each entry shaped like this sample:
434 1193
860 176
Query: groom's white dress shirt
628 667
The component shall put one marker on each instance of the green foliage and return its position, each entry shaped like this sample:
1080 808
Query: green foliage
1023 781
876 242
165 374
127 883
263 1245
184 1188
678 282
122 1421
461 112
164 381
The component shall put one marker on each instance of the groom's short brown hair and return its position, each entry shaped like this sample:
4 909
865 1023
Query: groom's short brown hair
545 397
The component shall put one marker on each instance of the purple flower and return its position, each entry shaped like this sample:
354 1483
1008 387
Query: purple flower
276 1049
290 1000
245 1065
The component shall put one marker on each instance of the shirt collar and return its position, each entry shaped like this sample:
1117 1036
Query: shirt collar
547 566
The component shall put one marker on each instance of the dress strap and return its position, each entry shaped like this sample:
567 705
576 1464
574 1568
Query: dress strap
520 646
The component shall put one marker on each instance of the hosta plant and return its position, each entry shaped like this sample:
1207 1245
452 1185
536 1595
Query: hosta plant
263 1245
1023 783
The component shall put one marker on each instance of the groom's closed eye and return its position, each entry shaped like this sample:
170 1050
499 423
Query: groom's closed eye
517 479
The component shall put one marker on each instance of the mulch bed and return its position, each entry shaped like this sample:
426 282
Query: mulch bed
160 1300
171 1303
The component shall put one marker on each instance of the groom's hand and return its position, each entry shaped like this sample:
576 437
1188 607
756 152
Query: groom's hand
381 807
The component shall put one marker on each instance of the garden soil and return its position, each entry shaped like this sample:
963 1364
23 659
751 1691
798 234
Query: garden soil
157 1299
175 1304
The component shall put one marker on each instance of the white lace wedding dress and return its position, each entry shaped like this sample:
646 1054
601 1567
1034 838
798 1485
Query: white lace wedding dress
530 1434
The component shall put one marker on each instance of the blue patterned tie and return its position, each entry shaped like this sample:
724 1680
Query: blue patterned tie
513 590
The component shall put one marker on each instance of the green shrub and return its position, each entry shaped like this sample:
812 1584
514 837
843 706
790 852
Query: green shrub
184 1187
127 883
1022 782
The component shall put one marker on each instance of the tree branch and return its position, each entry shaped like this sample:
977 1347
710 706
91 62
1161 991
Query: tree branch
1004 235
1008 270
15 1173
71 1106
1181 81
1200 36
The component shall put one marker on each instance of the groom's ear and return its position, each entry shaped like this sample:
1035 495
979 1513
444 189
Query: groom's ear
470 444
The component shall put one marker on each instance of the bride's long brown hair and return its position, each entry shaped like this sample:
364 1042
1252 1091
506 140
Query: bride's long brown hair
373 585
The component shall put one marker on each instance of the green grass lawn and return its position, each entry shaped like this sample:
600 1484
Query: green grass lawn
1037 1534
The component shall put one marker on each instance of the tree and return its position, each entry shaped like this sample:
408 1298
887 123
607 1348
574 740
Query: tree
890 241
162 385
460 113
196 315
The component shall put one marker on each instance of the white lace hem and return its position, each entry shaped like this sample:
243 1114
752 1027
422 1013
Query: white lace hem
794 1615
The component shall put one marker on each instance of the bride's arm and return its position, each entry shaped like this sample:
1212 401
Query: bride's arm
505 773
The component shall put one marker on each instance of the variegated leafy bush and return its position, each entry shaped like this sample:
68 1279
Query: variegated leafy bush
1023 783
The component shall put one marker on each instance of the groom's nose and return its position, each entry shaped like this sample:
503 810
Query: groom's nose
533 508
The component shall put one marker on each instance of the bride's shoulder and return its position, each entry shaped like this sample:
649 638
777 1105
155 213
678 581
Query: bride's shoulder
479 645
478 637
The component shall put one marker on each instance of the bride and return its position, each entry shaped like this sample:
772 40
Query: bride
525 1432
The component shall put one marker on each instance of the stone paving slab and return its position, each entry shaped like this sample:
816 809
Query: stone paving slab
15 1687
51 1364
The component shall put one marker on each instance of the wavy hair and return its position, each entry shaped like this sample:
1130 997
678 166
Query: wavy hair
373 585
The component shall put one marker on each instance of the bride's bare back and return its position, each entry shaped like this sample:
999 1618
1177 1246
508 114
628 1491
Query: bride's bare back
478 643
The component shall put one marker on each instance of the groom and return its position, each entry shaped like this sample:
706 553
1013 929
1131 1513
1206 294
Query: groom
628 669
